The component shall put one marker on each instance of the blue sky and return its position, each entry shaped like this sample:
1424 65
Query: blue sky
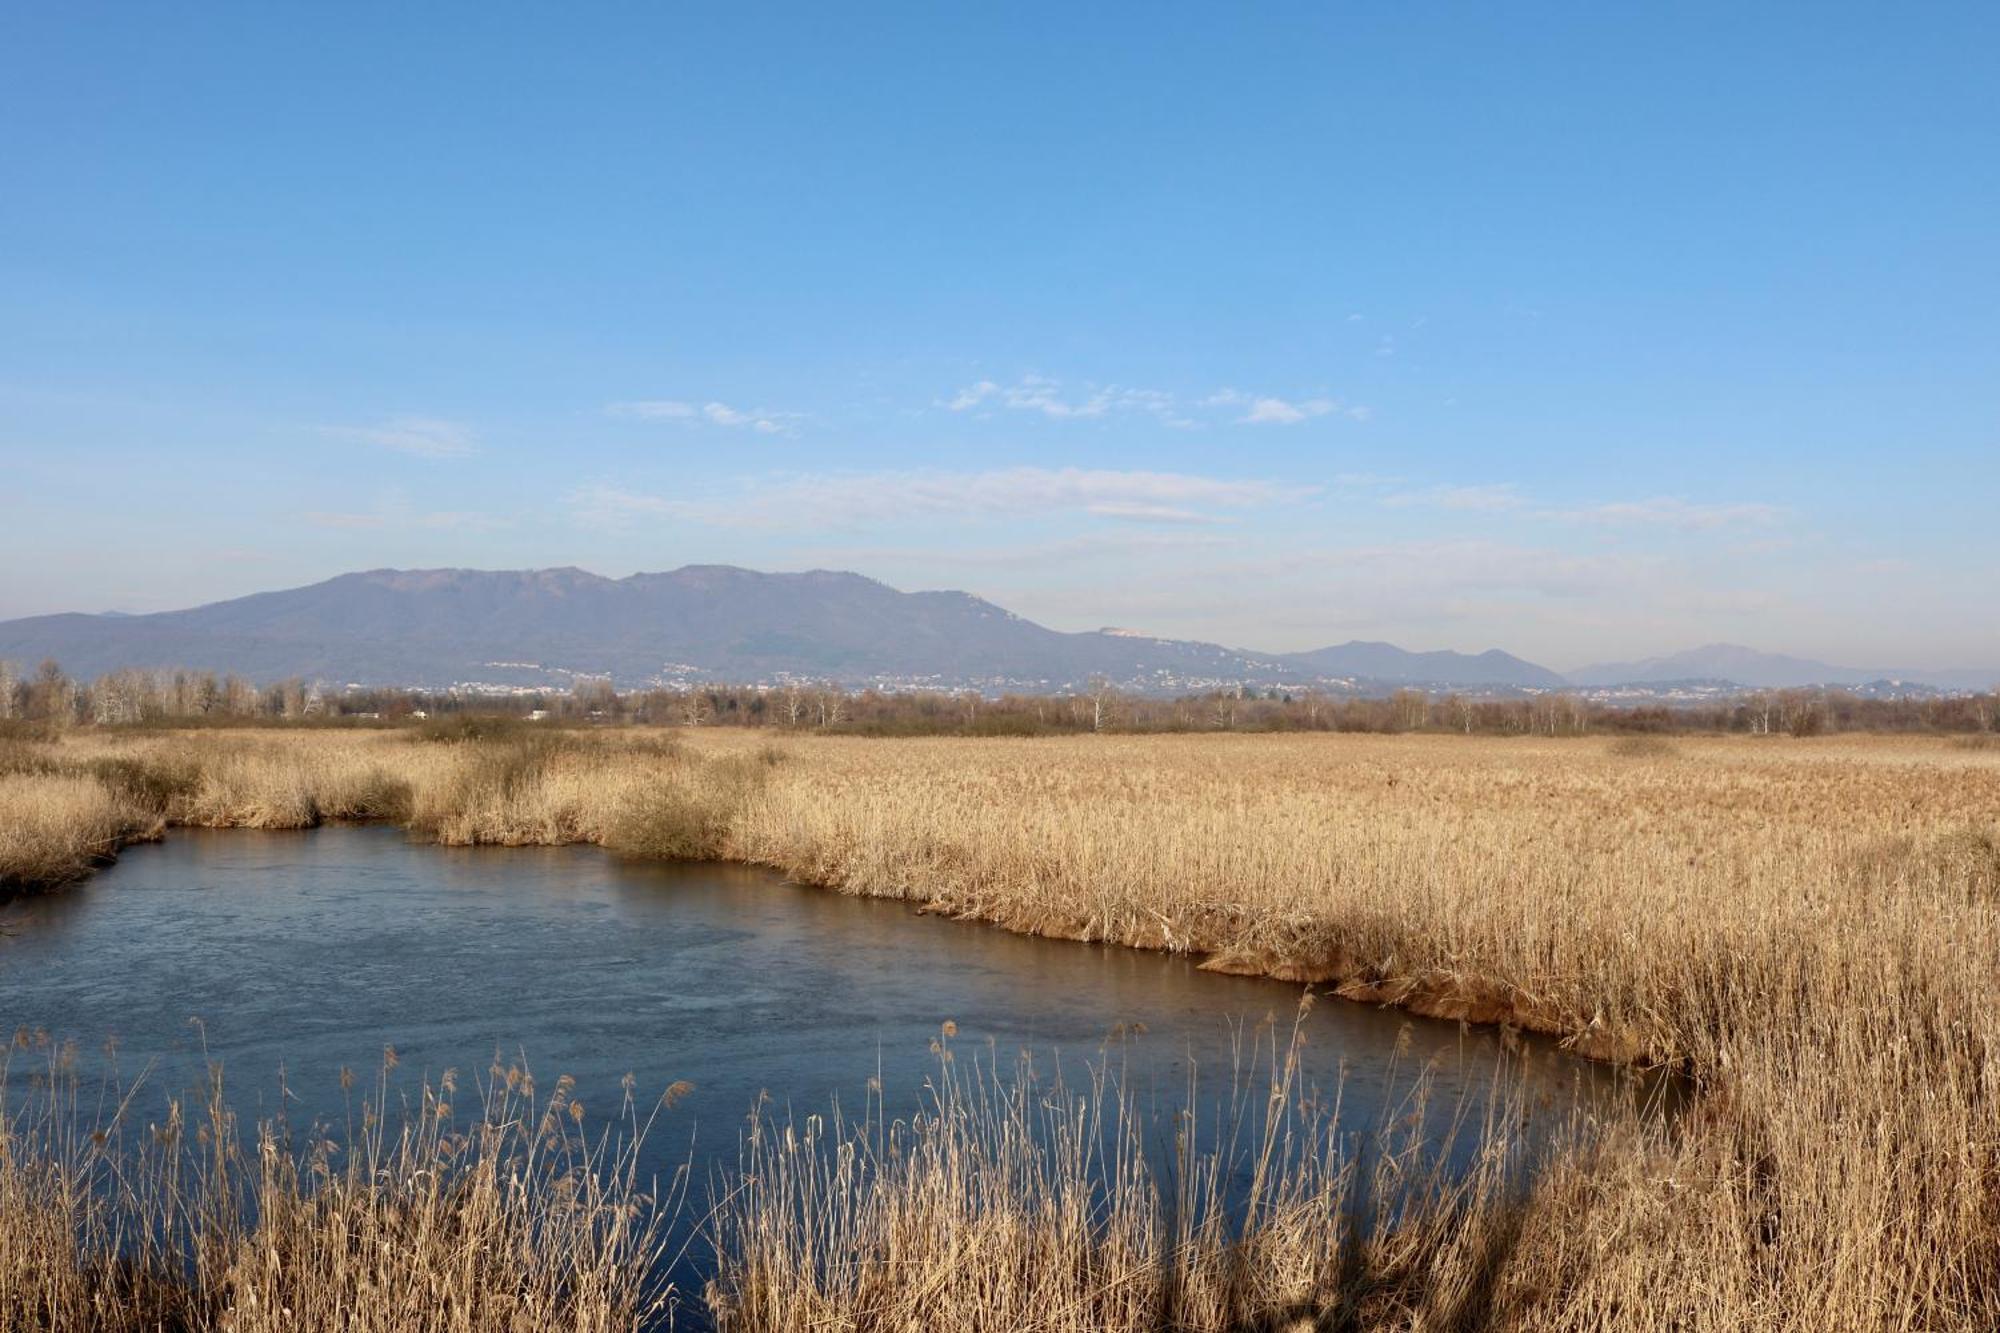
1579 330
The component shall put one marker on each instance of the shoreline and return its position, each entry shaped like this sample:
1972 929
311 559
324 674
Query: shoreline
1476 1004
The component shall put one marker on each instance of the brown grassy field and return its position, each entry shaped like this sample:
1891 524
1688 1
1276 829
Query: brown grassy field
1806 928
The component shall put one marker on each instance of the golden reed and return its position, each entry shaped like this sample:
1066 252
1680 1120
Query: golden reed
1806 928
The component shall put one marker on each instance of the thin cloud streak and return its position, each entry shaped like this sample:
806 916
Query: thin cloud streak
1464 499
1673 512
846 499
323 519
1040 393
1059 554
1050 398
765 421
1659 511
395 511
1266 410
422 437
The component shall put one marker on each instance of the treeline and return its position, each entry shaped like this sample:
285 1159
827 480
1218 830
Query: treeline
1797 712
47 696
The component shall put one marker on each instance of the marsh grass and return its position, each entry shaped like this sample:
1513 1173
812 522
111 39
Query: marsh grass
161 784
55 828
460 727
1011 1199
690 812
1807 929
117 1220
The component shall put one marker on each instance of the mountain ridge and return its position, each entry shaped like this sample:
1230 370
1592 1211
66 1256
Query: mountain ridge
453 625
1753 669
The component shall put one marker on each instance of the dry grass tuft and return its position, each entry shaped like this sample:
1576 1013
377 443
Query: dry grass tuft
689 811
515 1220
1017 1201
54 828
1643 747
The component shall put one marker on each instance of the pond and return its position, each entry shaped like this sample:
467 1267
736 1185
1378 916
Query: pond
308 952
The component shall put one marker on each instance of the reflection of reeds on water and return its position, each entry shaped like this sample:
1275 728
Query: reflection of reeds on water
119 1220
1015 1199
1005 1199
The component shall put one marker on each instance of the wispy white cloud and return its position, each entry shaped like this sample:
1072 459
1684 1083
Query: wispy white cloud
763 420
1058 554
1660 511
1491 499
1087 402
459 520
319 518
1672 512
1051 398
1454 564
1278 412
1265 410
1147 513
425 437
394 510
848 499
654 409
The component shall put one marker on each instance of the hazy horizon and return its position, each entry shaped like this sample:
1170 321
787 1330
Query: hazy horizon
1583 335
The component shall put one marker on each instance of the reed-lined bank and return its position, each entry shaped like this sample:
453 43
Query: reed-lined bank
1807 928
414 1217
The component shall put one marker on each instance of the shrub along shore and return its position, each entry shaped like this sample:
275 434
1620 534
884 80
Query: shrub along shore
1805 928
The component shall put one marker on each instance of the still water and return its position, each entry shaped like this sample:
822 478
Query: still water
308 952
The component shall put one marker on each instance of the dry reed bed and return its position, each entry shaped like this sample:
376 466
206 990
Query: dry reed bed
55 827
1021 1202
1809 929
417 1218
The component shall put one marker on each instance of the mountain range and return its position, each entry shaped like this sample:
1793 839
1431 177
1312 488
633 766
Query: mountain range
714 622
440 627
1737 665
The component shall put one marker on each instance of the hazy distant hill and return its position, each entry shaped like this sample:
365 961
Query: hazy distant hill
437 627
1385 661
1746 666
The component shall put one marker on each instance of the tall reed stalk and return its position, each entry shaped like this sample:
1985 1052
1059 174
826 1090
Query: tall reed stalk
1012 1199
408 1217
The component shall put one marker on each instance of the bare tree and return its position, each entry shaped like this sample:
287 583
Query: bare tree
1315 704
51 695
1102 697
1225 709
10 688
239 696
693 707
120 696
593 695
1460 710
1759 707
1412 709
